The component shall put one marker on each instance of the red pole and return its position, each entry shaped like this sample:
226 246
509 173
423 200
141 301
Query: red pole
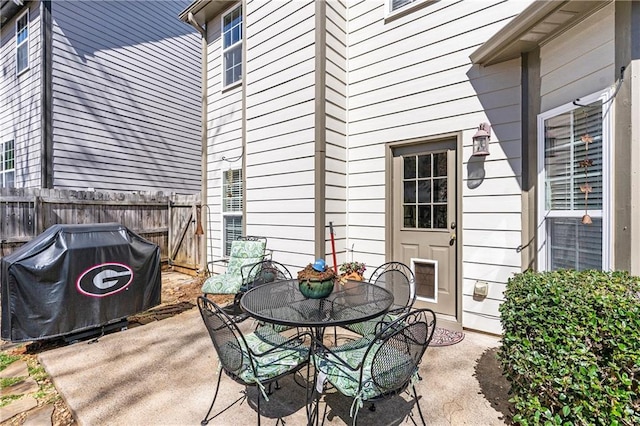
333 248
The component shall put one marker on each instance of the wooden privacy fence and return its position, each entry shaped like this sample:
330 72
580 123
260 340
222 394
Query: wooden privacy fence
170 221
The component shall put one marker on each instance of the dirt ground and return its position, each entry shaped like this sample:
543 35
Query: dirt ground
179 293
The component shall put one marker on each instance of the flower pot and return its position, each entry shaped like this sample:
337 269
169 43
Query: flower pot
315 289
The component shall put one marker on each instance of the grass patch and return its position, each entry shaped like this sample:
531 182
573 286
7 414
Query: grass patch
6 360
5 382
5 400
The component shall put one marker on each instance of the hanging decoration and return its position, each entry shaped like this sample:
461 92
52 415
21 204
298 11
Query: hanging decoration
586 188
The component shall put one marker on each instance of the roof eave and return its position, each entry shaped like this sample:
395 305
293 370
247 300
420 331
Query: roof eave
538 23
9 9
205 10
497 48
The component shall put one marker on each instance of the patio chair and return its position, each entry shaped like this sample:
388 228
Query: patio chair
259 273
399 279
255 359
384 366
245 251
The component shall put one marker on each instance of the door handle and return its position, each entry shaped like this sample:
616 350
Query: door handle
452 239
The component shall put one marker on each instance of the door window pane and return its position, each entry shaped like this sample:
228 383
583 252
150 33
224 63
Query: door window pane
440 216
424 216
440 164
409 192
440 190
424 166
409 167
425 198
424 191
409 216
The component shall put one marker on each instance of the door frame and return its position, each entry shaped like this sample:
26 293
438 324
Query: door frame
389 218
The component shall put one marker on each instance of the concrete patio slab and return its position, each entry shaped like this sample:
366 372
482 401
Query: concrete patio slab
164 373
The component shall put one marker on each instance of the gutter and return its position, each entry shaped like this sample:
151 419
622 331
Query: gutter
190 19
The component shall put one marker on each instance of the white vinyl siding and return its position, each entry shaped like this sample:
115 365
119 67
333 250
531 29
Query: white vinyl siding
232 46
126 96
224 136
280 119
574 157
22 43
580 61
411 78
336 127
21 99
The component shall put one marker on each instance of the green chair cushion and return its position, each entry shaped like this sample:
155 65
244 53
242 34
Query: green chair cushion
347 380
242 253
370 327
222 284
273 364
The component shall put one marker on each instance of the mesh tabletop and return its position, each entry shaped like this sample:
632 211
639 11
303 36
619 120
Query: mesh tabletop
282 303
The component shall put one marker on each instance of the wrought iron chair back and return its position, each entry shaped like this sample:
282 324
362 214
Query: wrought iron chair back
259 273
256 359
402 345
386 365
399 279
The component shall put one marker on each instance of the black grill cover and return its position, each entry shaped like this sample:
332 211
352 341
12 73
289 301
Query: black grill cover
76 277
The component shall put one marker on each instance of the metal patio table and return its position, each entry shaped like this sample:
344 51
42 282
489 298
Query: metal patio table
282 303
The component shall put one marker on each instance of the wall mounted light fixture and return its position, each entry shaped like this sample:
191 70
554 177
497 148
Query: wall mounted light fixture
481 140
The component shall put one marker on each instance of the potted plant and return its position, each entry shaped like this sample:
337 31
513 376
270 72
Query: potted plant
352 271
316 280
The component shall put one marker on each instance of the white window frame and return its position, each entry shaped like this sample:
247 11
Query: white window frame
226 214
407 8
3 172
607 149
26 41
238 44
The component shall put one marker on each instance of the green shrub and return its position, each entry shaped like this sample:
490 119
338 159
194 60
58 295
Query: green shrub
571 347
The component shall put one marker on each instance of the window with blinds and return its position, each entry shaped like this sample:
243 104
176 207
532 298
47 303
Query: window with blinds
574 176
232 204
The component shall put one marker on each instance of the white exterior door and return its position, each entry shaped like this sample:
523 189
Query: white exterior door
424 215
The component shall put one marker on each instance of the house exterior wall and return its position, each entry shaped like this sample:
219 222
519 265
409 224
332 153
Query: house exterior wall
580 61
410 78
20 99
280 126
336 124
125 97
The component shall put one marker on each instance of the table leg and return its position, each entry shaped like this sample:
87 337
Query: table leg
313 400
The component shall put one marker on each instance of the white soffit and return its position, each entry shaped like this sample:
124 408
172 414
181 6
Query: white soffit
205 10
535 25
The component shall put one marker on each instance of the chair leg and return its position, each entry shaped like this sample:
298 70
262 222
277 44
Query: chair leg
206 418
415 395
259 398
